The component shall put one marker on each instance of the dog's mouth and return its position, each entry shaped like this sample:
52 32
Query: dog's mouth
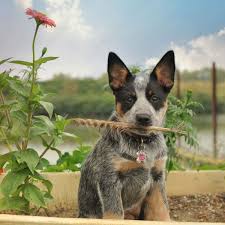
141 134
135 128
140 130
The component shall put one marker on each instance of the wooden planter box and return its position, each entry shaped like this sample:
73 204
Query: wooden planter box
65 187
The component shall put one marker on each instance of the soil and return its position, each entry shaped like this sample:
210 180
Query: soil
198 208
190 208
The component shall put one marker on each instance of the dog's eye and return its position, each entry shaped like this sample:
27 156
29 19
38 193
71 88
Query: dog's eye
130 99
154 98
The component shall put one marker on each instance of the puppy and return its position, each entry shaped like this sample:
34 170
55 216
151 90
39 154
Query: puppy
124 176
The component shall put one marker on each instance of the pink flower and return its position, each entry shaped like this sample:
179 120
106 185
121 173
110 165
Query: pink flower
40 17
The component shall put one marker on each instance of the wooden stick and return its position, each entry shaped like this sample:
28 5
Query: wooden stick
122 126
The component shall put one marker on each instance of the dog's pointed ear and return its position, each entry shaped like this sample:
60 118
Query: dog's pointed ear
117 71
164 71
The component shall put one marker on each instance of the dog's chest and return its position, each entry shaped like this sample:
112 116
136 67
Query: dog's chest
135 185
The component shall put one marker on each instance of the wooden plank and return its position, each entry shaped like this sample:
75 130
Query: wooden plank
37 220
194 182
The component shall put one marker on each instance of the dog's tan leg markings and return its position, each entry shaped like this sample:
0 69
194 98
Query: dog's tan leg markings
124 165
133 213
111 215
156 208
159 164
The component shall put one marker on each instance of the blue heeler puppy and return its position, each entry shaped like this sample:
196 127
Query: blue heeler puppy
124 176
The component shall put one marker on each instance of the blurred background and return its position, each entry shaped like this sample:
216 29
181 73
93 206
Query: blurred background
140 32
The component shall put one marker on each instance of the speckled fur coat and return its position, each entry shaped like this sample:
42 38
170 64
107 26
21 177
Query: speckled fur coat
113 184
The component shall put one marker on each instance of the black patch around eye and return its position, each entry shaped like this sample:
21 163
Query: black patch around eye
126 96
154 98
130 99
155 95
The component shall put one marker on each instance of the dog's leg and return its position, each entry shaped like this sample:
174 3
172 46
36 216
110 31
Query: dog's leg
110 195
155 204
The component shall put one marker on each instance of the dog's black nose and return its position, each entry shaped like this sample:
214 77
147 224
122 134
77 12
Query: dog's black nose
143 119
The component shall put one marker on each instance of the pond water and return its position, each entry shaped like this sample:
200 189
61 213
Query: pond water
205 135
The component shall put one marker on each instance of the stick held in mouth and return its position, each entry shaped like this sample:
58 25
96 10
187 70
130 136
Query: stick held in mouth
123 126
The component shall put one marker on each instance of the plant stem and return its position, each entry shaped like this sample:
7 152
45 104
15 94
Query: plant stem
33 66
30 113
18 146
6 140
6 111
46 149
9 121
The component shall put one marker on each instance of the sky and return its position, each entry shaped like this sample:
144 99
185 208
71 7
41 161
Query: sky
139 31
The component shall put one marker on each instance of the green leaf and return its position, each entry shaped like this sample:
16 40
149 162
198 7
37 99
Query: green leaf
12 181
18 87
15 167
30 157
42 125
8 104
19 115
33 194
37 176
4 79
14 203
48 185
48 196
44 181
44 142
5 158
69 135
4 60
61 123
46 121
42 164
20 62
48 107
37 131
44 60
44 50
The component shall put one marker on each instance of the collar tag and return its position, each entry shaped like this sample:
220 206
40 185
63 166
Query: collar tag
141 155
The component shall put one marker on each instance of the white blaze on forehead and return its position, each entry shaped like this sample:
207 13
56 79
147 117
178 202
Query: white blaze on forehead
142 105
141 81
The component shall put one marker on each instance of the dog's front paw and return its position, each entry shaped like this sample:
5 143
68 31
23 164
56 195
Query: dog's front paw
112 215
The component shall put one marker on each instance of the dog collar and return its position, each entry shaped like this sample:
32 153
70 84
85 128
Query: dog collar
141 154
